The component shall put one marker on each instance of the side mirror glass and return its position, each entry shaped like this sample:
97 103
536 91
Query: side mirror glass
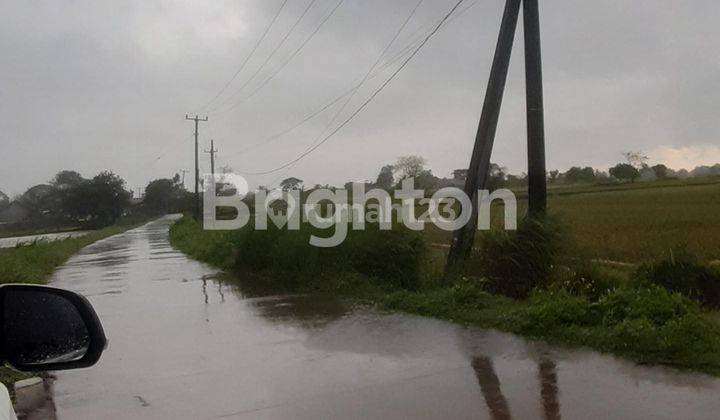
45 328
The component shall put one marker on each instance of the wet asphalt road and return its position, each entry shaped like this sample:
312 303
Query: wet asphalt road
186 344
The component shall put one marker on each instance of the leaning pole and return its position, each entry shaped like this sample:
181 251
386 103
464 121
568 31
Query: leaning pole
479 168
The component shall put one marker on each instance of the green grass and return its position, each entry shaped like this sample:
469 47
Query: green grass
617 315
35 262
632 222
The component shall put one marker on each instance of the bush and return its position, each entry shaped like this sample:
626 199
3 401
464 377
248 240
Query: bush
394 256
654 305
516 262
682 273
392 259
584 279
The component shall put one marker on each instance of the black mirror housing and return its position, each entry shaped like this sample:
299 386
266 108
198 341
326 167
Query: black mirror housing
46 328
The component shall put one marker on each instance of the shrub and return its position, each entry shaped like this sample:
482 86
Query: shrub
584 279
516 262
390 258
548 310
654 304
393 255
682 273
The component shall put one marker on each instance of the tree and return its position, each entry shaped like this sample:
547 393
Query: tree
577 174
65 179
164 196
553 176
661 171
409 166
625 171
426 181
4 201
291 183
385 177
99 202
39 201
636 159
497 177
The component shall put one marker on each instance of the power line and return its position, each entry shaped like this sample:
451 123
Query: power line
249 56
164 151
295 53
368 101
272 53
375 64
354 87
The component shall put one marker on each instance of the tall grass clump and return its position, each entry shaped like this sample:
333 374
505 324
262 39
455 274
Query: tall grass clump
516 262
682 273
388 258
648 324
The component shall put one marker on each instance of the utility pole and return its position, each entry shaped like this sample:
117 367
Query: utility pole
212 152
480 159
183 172
479 169
537 182
197 119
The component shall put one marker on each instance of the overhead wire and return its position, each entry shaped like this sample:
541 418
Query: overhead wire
296 52
375 64
270 56
354 87
248 57
366 102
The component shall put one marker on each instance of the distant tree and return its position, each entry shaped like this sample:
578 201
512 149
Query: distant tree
99 201
66 179
625 171
516 181
426 181
39 201
409 166
553 176
636 159
164 196
385 177
4 201
661 171
577 174
497 177
291 183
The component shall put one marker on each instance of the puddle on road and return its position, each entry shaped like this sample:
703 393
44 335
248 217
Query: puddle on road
187 343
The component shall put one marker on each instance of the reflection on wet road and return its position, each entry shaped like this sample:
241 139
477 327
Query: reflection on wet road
184 343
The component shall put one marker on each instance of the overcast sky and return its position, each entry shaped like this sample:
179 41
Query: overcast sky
94 85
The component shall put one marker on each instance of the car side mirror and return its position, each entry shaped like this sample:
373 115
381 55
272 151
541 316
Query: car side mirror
45 328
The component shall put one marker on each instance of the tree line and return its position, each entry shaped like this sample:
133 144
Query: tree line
71 200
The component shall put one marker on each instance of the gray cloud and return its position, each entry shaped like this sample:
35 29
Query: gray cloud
95 85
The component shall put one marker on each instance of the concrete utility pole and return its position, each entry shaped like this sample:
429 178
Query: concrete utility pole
537 181
197 119
212 152
183 172
478 171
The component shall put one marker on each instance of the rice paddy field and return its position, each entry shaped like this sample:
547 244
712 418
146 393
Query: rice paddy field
634 222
